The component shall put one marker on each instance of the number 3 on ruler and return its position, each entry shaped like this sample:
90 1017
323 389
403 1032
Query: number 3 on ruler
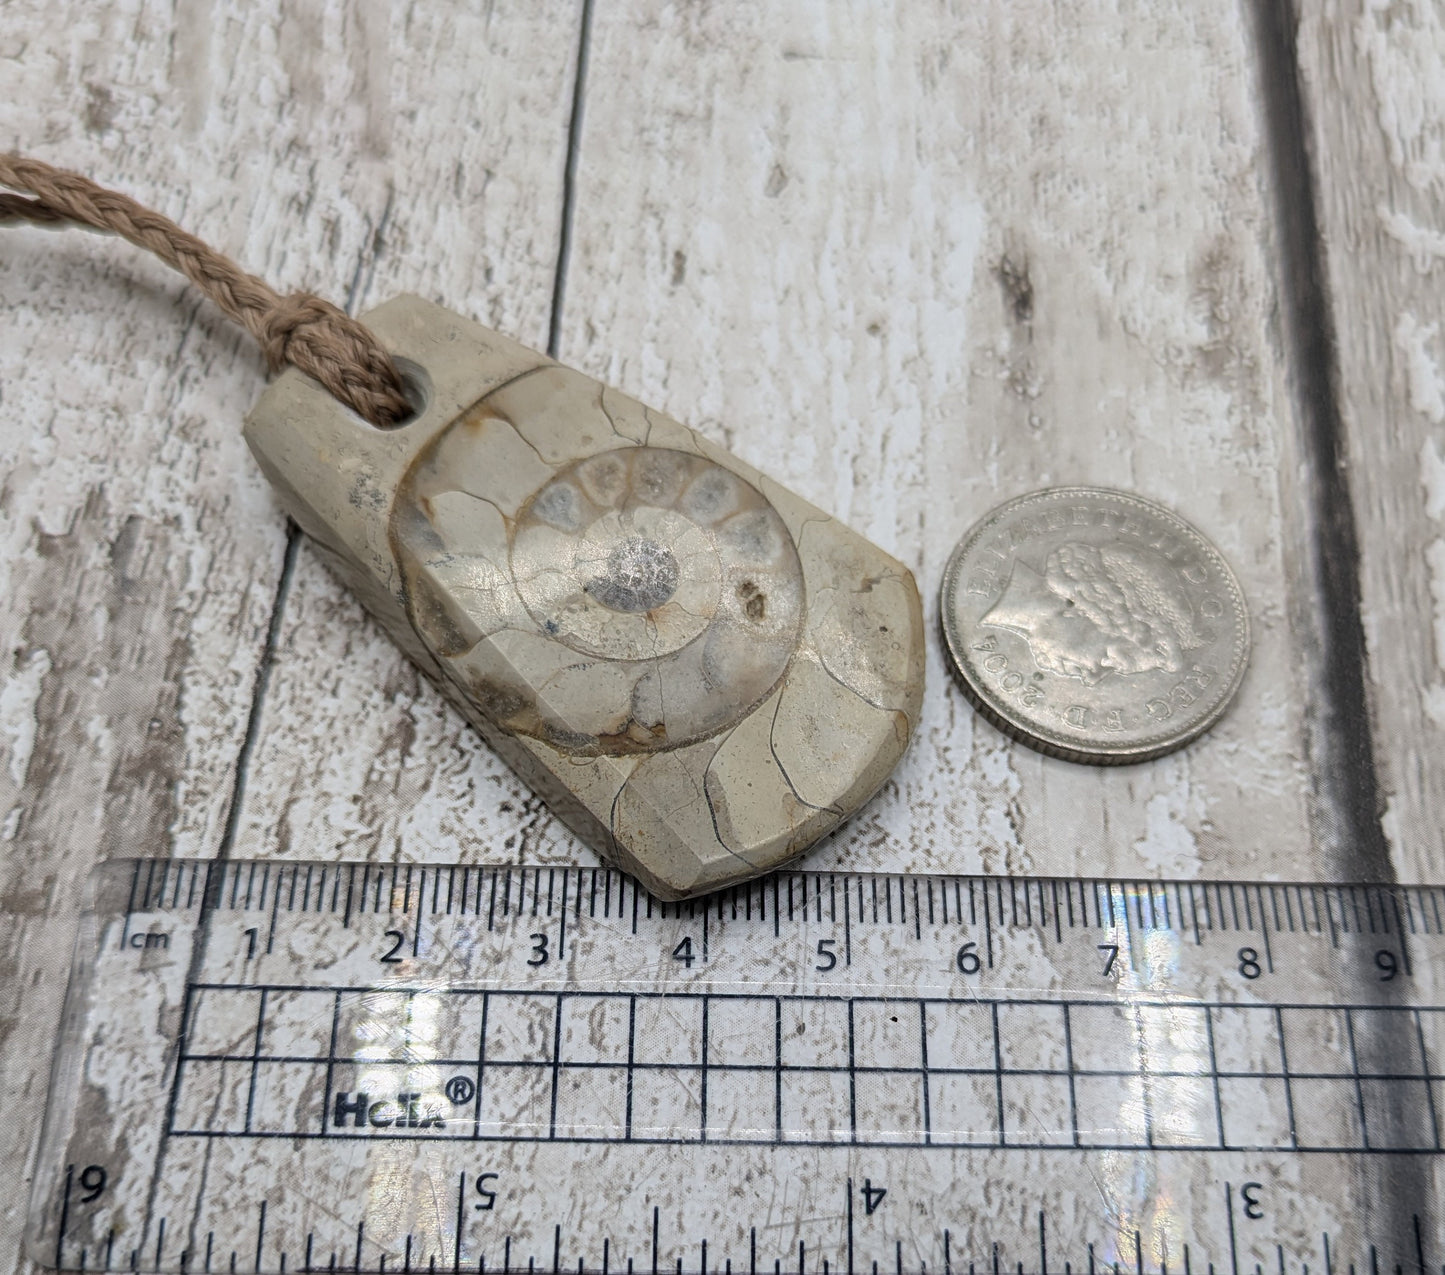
1249 1193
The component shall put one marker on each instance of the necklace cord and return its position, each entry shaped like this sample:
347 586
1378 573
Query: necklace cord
300 329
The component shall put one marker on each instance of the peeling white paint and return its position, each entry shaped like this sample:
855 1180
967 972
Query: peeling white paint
1434 704
1168 845
1435 560
19 698
1432 478
1424 381
1425 246
1404 43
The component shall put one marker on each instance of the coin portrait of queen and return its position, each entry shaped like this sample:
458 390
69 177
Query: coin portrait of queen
1097 611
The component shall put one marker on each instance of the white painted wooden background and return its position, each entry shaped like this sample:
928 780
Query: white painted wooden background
912 259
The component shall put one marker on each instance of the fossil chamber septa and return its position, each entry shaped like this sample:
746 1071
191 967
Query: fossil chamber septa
700 673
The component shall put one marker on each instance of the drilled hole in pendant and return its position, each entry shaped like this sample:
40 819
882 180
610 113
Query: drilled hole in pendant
415 387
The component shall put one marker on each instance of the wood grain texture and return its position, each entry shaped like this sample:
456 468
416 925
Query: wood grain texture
912 261
142 549
915 266
356 755
1376 93
904 328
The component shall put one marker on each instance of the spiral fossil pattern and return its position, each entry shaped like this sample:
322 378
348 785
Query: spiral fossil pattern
648 598
700 672
672 579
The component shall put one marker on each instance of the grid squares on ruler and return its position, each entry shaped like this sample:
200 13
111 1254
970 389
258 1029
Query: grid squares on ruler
516 1102
740 1107
595 1029
961 1032
592 1103
1246 1039
742 1031
604 1067
668 1031
1038 1110
812 1033
815 1106
889 1108
298 1024
667 1104
1256 1114
964 1109
521 1027
222 1022
1431 1023
1030 1038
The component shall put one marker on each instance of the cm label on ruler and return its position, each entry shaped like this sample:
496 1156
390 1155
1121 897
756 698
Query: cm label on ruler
993 908
335 1066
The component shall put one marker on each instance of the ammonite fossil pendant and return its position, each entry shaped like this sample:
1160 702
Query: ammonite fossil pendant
700 673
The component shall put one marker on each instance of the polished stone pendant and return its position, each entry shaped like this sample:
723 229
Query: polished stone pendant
699 672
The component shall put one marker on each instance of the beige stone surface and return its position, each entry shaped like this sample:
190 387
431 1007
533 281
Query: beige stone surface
603 608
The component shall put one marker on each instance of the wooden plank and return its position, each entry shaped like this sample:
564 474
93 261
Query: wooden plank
987 289
915 266
356 755
1376 96
910 265
142 550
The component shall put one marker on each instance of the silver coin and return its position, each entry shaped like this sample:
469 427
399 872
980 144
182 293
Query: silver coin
1093 625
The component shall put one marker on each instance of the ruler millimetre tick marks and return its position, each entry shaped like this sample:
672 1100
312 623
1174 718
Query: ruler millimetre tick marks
306 1067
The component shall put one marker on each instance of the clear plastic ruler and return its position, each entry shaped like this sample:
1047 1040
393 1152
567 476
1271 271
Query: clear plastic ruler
270 1067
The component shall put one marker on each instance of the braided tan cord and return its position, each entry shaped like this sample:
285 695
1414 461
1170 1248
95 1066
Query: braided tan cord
300 329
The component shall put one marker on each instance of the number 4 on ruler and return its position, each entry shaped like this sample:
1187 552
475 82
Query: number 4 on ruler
872 1196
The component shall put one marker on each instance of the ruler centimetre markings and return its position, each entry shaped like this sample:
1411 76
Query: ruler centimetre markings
1110 899
565 903
1233 906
